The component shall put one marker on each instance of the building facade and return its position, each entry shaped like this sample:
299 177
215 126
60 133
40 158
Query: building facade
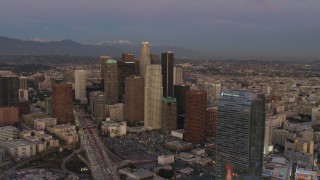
196 115
9 91
96 105
134 99
9 116
103 60
144 58
111 82
125 69
211 126
169 115
62 103
152 99
178 75
167 62
80 77
240 133
127 57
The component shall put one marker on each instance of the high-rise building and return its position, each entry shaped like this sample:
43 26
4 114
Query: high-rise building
134 99
125 69
240 133
111 82
97 106
62 103
80 77
144 59
213 92
103 60
152 98
179 93
9 91
211 125
169 114
196 115
155 59
178 75
127 57
23 82
167 62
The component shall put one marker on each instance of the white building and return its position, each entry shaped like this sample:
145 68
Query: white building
8 133
23 94
144 58
19 148
178 133
42 124
178 75
165 159
80 85
114 128
152 97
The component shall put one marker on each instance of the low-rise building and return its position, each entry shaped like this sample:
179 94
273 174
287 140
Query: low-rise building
165 159
178 133
115 112
66 132
42 124
8 133
137 174
114 128
19 148
188 157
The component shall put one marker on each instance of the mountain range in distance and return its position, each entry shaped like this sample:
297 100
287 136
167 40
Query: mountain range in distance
11 46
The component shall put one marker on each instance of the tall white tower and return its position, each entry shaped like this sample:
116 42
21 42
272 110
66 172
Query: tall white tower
152 97
80 85
144 59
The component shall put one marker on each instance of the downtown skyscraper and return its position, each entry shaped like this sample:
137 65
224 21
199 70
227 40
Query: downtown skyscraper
167 62
9 91
111 82
152 97
240 134
80 77
62 103
144 58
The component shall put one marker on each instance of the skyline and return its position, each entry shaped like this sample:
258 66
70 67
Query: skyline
246 28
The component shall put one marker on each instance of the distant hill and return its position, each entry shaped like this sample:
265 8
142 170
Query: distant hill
10 46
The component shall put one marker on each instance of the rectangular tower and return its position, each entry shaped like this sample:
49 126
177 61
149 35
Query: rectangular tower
103 60
169 115
134 99
127 57
152 98
80 77
196 115
144 59
97 106
167 62
125 69
111 82
240 133
9 91
62 103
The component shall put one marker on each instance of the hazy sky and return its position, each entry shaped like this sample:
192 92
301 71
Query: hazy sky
221 27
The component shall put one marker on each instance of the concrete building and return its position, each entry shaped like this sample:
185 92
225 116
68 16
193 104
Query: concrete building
48 102
111 82
114 128
115 112
240 133
66 132
134 99
9 91
155 59
24 107
97 106
9 116
178 133
125 69
167 63
169 115
196 115
279 136
23 94
315 115
178 75
42 124
19 148
8 133
23 83
80 77
46 85
165 159
144 59
268 147
62 103
152 98
213 91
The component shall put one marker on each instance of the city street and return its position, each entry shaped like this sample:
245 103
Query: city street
101 165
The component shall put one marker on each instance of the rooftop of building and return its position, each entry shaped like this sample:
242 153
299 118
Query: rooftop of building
18 143
45 119
7 128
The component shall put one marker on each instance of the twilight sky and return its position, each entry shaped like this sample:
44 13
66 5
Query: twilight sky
231 28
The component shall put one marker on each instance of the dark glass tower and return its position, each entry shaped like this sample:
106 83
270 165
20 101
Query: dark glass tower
167 62
125 69
9 91
179 93
111 82
240 133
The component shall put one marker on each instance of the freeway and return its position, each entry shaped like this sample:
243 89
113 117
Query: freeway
102 167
